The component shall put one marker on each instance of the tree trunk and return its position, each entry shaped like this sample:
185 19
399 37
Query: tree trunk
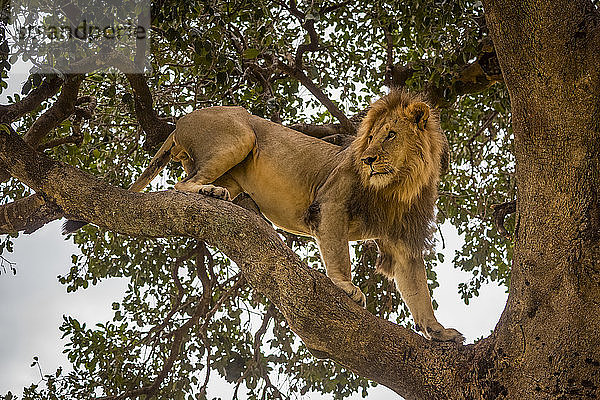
547 342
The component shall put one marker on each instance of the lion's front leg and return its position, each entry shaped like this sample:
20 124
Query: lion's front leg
411 281
332 238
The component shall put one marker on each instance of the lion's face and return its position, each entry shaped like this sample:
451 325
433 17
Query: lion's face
387 146
398 143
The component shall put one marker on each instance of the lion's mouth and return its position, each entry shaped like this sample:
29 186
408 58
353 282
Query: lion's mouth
373 173
382 171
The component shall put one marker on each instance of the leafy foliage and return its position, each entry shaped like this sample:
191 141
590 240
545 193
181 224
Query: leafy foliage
226 52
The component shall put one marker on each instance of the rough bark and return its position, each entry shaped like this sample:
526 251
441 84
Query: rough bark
548 341
27 214
48 88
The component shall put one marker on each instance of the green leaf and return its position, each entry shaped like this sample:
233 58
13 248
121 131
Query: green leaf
251 53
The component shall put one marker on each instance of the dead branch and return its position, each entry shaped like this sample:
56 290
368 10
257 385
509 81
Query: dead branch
48 88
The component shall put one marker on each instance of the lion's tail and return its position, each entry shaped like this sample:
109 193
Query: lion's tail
158 162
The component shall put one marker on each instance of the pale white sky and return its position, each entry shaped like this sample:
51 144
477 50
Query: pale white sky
33 302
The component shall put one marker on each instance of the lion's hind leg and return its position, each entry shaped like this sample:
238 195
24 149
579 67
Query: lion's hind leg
214 141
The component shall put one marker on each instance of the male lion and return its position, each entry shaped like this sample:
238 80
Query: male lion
383 186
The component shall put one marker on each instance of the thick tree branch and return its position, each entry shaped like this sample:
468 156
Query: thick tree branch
48 88
27 214
319 131
321 314
156 128
323 130
73 139
57 113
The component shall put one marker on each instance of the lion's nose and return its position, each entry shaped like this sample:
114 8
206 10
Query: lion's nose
369 160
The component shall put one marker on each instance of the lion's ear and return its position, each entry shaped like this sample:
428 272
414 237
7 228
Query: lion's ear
418 113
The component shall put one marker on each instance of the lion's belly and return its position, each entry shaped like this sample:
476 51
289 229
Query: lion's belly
285 210
281 197
283 172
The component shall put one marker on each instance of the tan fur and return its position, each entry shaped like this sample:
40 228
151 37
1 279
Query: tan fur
381 187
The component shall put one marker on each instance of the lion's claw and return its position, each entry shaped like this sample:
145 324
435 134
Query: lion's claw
215 191
435 331
356 295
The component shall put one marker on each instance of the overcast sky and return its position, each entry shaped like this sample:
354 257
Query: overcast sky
33 302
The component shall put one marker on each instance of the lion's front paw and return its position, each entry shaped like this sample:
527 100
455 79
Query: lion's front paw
355 294
215 191
447 335
435 331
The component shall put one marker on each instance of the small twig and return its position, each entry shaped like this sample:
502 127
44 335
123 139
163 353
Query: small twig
206 343
262 330
36 363
174 269
11 265
73 139
442 236
239 282
486 124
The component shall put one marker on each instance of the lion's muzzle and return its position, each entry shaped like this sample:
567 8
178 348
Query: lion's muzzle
369 160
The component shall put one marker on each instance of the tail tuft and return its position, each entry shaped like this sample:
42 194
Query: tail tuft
71 226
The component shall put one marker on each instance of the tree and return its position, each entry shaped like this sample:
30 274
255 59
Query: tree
177 249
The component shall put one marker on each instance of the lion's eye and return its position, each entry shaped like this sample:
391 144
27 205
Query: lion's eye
390 135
